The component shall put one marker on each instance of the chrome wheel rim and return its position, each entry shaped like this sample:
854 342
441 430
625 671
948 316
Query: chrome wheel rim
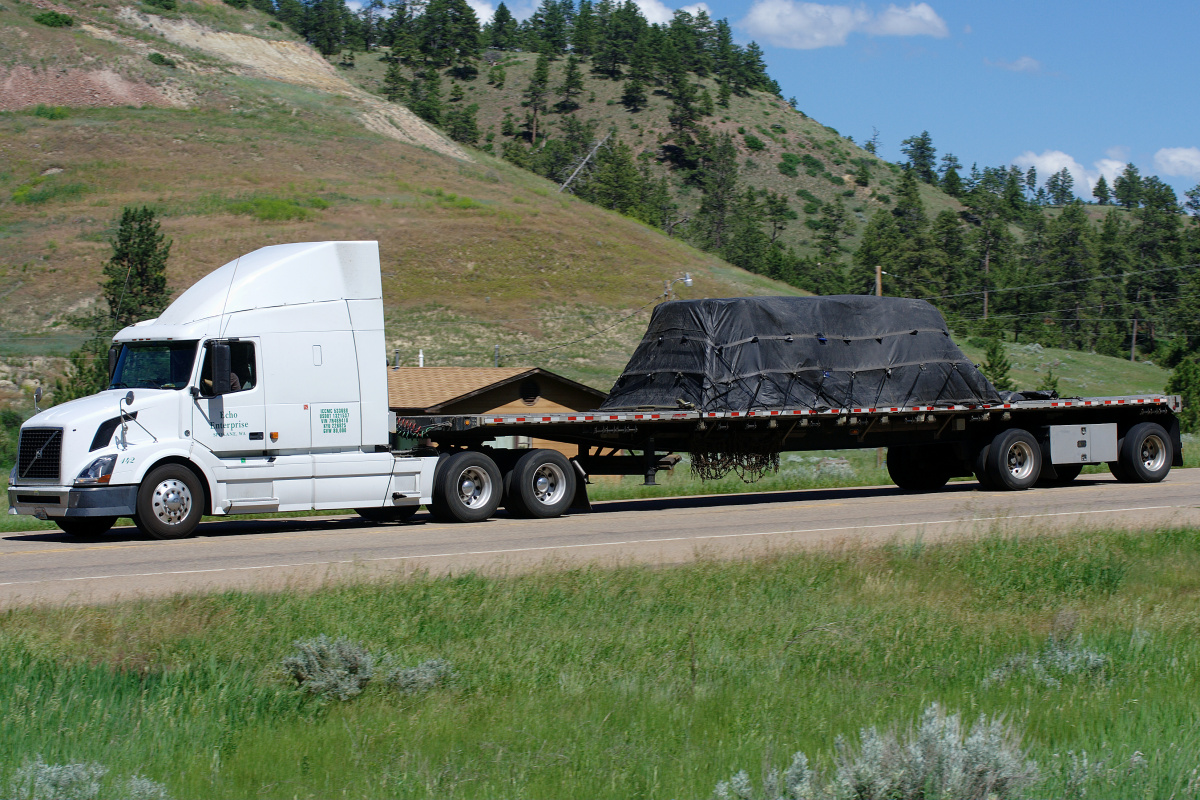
172 501
549 484
1154 453
474 487
1020 460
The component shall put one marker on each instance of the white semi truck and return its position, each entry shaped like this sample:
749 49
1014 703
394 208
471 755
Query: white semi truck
263 388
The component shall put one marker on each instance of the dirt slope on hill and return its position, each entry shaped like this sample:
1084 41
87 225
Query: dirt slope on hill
299 64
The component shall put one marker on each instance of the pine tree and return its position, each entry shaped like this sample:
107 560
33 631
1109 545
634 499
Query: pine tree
1061 187
777 213
134 289
862 176
135 285
921 156
449 34
583 32
571 86
719 180
425 97
633 95
996 368
536 93
1070 257
325 25
461 124
1127 188
395 85
502 32
1101 193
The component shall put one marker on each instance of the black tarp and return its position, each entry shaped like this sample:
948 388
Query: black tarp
747 353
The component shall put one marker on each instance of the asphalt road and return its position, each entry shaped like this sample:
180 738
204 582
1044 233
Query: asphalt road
45 567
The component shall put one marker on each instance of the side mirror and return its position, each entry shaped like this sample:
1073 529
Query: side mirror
37 394
129 398
112 361
222 365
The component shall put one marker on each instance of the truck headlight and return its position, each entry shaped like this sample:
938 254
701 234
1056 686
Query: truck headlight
99 471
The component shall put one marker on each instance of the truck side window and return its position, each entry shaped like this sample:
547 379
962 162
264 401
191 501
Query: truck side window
243 375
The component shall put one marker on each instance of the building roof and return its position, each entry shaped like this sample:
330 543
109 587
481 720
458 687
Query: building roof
430 388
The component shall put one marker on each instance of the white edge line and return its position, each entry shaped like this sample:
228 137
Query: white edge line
583 545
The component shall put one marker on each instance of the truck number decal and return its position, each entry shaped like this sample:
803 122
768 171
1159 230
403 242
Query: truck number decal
334 420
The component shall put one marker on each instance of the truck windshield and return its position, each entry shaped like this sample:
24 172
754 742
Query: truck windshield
157 365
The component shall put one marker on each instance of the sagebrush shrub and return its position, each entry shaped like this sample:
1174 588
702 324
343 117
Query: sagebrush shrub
324 666
37 780
1058 660
54 19
421 678
938 761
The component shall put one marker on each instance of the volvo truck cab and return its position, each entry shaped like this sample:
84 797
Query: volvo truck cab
261 388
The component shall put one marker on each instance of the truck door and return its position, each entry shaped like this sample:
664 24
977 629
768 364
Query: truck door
233 422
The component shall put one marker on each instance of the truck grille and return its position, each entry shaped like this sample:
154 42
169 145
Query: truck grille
39 454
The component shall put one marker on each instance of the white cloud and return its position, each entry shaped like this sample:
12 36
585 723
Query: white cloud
1184 161
1052 161
1118 153
483 10
919 19
657 12
1022 64
807 26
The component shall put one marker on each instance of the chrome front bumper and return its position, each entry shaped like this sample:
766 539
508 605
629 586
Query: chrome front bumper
49 502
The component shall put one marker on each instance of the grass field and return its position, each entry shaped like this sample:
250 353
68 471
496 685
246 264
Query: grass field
635 682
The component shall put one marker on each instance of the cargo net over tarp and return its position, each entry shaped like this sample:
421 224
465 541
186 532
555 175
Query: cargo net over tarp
755 353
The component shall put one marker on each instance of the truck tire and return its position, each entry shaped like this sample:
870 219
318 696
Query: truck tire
466 488
85 527
916 469
1144 454
1066 474
980 468
170 502
1014 460
382 515
542 484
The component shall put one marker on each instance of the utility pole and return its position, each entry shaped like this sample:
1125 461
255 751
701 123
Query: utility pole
878 281
1133 344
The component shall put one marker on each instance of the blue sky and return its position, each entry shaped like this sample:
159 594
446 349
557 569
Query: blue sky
1082 85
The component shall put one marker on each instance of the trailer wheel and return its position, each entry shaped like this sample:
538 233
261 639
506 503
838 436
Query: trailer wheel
170 502
913 473
85 527
381 515
466 488
1144 454
980 468
1067 473
1014 459
542 484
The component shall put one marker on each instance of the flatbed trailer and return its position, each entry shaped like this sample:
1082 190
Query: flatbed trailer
1008 445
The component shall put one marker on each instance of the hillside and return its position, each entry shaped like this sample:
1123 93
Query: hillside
249 141
238 135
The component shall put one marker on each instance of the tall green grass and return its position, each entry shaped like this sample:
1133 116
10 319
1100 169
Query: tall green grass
631 682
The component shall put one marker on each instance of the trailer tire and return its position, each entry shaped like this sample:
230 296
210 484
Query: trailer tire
170 502
912 473
466 488
542 484
85 527
980 468
1144 454
382 515
1014 460
1066 474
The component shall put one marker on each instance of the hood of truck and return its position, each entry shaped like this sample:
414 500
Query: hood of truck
91 425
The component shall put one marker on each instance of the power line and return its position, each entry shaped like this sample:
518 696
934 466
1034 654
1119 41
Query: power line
1055 283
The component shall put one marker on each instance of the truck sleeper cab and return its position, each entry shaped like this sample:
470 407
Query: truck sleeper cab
259 389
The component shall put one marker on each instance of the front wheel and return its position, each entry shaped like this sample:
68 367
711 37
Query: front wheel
466 488
85 527
1014 460
170 502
